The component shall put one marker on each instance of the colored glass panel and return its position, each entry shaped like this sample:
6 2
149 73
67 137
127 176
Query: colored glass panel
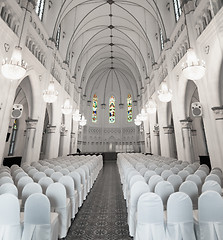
112 109
94 108
129 108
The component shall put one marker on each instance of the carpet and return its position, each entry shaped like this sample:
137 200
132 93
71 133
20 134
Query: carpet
103 214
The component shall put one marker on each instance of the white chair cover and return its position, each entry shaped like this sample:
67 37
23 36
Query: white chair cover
19 175
166 173
202 174
153 181
68 183
28 190
136 191
78 186
37 176
83 181
210 217
150 218
22 183
10 228
183 174
211 185
6 180
180 217
9 188
175 180
190 188
213 177
49 172
37 218
196 179
164 189
56 176
56 193
45 182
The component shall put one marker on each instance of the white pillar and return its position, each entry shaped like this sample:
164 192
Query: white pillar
187 141
63 135
169 141
30 140
72 143
156 150
50 148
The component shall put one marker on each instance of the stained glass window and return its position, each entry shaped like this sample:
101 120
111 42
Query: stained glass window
58 37
94 108
129 108
161 39
112 109
177 9
13 139
40 8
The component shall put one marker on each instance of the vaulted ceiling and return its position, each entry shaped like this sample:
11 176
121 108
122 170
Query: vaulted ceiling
105 41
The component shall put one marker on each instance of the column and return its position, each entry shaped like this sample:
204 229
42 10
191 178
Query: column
29 141
169 141
50 147
187 141
156 150
218 112
72 143
63 135
148 142
195 144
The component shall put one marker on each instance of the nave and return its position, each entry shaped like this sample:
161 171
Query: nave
103 214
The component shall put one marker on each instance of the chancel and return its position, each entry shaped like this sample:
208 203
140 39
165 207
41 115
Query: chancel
111 117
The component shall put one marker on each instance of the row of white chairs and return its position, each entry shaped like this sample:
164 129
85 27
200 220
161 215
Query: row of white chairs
64 191
132 175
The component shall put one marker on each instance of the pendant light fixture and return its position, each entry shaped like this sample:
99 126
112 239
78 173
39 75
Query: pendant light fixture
83 121
138 120
164 94
66 107
50 94
15 68
193 68
151 106
76 116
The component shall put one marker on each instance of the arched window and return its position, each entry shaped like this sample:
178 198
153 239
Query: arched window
58 37
13 138
112 109
177 9
129 108
40 8
94 108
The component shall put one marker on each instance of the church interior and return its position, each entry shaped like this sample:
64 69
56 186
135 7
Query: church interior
118 106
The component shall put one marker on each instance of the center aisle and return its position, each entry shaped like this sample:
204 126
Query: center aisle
103 214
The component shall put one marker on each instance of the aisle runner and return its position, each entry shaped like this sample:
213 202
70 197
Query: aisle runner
103 215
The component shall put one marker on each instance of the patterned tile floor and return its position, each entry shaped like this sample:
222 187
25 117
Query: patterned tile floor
103 214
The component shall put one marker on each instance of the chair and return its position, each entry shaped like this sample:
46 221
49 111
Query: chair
136 190
10 228
78 186
19 175
37 176
150 218
183 174
56 176
213 177
21 184
176 181
159 170
180 217
196 179
166 173
49 172
164 189
153 181
39 223
68 183
210 217
56 193
6 180
191 189
83 180
45 182
211 185
9 188
28 190
202 174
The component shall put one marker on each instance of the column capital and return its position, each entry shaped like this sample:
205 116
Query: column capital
156 132
63 133
168 130
218 111
31 123
51 129
186 123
